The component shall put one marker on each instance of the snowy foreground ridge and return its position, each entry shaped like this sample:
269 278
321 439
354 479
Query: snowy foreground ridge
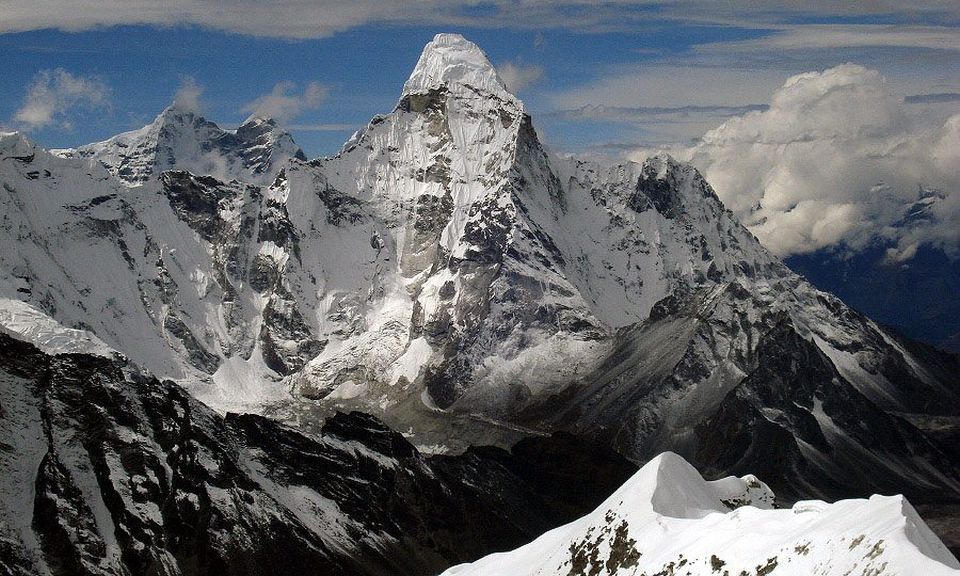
668 520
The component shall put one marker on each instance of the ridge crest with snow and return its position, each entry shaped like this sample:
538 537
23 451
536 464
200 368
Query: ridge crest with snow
668 520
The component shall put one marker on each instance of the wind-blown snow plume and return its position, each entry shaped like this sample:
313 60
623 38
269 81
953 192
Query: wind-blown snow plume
517 75
188 95
283 104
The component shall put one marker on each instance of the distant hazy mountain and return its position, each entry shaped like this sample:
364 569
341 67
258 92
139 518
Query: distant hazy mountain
919 297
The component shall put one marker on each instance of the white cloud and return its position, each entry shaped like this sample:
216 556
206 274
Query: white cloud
825 36
321 18
518 76
652 125
670 86
283 103
836 160
188 95
295 18
660 103
54 94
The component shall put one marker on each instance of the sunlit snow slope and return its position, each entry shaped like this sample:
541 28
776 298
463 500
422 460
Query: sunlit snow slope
667 520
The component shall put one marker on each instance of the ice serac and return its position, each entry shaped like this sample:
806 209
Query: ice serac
180 138
668 520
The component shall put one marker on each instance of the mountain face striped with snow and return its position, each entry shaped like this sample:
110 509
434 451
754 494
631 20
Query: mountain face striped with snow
668 520
448 274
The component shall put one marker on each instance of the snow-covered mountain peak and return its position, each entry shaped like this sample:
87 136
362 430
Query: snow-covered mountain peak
257 124
662 163
668 520
452 61
663 166
670 486
451 142
178 117
179 138
176 112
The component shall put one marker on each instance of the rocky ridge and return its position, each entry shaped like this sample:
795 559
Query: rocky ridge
106 470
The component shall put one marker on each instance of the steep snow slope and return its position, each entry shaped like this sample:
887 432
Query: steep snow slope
668 520
223 285
179 138
20 320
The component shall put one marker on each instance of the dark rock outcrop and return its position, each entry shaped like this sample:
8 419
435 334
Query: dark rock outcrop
130 475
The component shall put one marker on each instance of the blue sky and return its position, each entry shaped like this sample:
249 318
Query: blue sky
596 77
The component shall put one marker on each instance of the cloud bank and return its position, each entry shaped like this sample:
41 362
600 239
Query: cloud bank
322 18
54 94
837 161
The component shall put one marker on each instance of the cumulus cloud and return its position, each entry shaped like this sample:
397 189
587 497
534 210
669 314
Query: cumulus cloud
188 95
518 76
837 161
54 94
283 103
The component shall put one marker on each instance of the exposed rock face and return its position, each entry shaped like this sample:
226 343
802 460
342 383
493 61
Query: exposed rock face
773 401
106 470
795 410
